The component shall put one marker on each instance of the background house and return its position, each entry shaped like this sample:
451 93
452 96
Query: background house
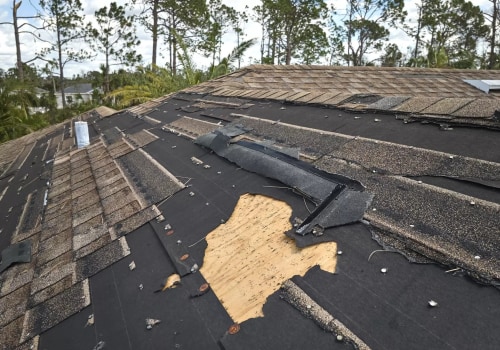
76 94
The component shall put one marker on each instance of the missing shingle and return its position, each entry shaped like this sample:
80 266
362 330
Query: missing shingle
249 256
31 212
362 99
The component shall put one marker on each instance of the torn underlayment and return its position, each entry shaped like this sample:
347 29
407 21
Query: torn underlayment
340 200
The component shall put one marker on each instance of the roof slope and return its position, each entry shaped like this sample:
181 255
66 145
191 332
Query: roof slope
419 91
83 88
163 190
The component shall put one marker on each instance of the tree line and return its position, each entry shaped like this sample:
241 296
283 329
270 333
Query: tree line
443 33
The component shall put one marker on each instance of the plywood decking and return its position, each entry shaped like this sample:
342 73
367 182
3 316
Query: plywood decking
249 257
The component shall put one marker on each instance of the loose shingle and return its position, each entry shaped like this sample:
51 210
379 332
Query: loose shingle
149 177
193 126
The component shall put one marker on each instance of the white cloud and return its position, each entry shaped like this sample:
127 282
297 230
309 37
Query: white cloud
251 29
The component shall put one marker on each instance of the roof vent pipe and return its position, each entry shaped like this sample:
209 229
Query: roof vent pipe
82 134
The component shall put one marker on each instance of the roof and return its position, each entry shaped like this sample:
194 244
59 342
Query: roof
84 88
240 214
41 91
440 93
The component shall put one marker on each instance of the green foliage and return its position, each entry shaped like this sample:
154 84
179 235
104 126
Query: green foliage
291 27
391 57
114 36
227 64
150 83
64 19
364 28
15 99
219 20
181 18
450 31
311 51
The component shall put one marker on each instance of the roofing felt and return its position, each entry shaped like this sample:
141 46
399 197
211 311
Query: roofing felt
109 223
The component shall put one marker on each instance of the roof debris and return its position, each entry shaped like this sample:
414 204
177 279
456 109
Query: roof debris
365 165
150 322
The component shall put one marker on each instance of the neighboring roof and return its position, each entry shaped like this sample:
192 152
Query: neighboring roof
213 218
79 89
421 91
41 91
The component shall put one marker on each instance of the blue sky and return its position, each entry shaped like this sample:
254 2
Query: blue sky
30 47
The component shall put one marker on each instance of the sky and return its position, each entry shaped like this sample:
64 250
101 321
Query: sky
31 47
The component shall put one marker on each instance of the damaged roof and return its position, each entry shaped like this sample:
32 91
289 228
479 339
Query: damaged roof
274 207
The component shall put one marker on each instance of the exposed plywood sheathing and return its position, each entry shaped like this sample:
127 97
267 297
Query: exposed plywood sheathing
249 257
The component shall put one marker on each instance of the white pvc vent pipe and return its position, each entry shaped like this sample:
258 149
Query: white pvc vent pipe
82 134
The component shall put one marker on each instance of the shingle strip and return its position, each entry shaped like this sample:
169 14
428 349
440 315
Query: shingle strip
93 233
149 177
438 223
11 333
118 200
91 264
53 311
417 104
54 246
142 138
193 126
447 105
49 292
137 220
479 108
123 212
59 188
117 184
120 148
49 273
93 246
13 305
87 214
337 99
294 295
